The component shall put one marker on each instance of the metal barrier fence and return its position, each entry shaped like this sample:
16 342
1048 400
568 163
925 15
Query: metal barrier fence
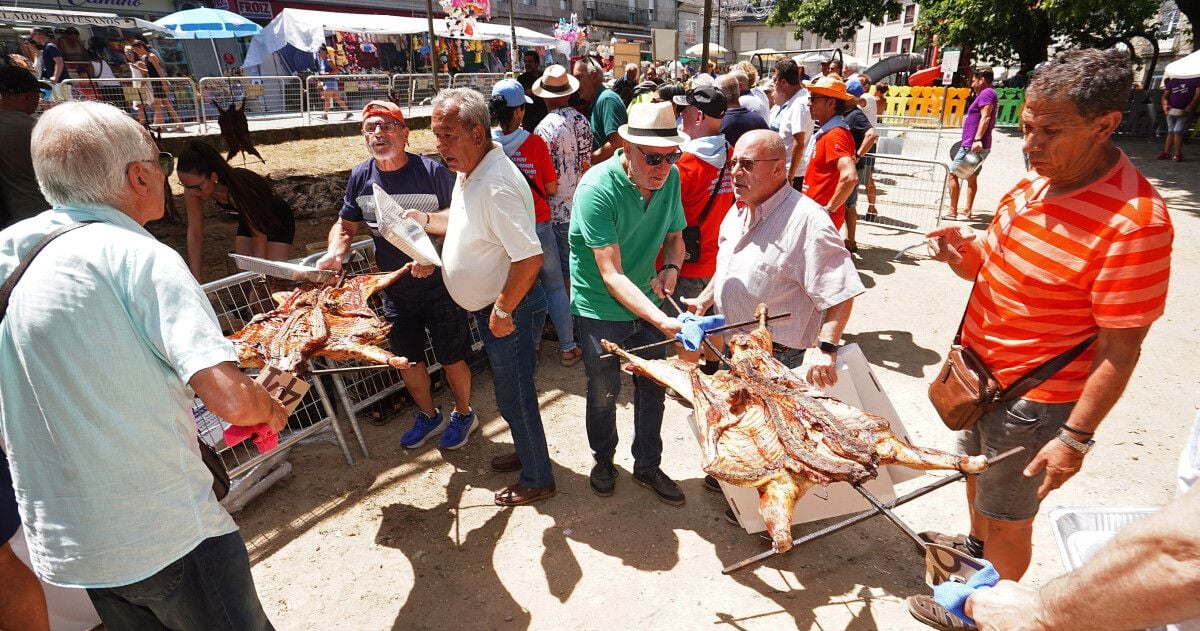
910 195
355 90
171 101
236 299
922 143
481 81
357 391
413 90
264 97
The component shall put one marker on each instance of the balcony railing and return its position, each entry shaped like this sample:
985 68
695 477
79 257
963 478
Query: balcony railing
612 12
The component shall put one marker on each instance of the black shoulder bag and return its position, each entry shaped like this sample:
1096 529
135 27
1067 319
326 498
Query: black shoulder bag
691 234
211 459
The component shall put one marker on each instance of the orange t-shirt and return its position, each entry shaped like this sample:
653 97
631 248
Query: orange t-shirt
821 175
697 179
1058 269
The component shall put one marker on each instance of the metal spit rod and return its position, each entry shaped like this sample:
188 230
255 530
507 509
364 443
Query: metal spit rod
709 344
867 514
735 325
341 369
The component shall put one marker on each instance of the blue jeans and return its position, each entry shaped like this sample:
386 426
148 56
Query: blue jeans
561 230
207 588
556 290
604 385
513 359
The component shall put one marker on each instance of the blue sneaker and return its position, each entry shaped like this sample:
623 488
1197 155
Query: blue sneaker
423 428
461 426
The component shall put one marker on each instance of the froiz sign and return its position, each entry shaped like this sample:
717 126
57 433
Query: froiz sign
255 9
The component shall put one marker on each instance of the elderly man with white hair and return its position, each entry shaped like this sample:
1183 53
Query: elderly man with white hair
106 337
491 261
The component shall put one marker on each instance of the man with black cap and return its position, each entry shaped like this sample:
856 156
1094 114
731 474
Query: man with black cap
19 193
705 191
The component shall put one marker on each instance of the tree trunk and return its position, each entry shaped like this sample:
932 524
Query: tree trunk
1031 49
1191 9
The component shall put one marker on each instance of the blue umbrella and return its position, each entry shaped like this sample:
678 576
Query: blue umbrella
210 24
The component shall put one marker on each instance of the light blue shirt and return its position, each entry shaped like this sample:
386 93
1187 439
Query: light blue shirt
102 335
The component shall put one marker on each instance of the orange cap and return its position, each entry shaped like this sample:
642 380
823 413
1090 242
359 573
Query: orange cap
383 108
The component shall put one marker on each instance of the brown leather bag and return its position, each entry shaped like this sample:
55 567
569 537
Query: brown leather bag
965 389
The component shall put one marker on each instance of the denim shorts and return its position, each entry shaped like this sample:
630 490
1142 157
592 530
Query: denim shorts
449 328
1177 124
1003 492
962 153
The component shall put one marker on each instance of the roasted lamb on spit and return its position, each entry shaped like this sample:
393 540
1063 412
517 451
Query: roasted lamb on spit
762 426
317 320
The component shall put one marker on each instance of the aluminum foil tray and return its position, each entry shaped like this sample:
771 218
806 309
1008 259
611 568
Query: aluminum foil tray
1081 530
281 269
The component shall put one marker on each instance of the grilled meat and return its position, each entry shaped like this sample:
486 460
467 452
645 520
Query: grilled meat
314 320
762 426
235 130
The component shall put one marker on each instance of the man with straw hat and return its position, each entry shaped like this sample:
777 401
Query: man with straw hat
626 209
831 174
568 134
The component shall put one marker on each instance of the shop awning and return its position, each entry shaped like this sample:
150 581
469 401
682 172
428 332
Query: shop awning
305 29
80 18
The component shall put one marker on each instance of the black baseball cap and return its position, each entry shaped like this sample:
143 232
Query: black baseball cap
14 80
707 99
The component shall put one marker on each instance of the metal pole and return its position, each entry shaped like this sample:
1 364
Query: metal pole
707 35
432 44
512 54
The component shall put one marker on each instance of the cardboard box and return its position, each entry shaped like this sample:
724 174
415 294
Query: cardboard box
857 386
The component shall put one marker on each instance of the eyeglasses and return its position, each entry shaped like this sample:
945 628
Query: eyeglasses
166 163
748 163
386 127
655 159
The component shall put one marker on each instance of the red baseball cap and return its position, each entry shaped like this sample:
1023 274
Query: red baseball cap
383 108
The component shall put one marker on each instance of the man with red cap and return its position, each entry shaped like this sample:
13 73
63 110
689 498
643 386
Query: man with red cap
831 174
419 300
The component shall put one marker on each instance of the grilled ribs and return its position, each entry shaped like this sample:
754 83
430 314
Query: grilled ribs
762 426
316 320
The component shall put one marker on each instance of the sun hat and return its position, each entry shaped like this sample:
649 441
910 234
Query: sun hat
707 99
512 91
555 82
652 125
384 108
831 86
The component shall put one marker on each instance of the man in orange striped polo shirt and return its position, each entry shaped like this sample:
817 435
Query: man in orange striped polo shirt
1080 250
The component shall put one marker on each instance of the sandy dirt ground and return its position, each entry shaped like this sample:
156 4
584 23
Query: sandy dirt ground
412 540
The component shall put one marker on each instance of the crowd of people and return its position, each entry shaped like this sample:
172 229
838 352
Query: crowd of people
607 221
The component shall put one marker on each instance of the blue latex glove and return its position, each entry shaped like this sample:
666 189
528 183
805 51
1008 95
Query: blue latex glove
953 596
694 328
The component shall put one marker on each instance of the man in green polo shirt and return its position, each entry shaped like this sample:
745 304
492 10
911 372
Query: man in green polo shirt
607 109
625 210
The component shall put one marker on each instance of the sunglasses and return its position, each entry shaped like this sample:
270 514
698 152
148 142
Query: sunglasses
386 127
655 159
166 163
748 163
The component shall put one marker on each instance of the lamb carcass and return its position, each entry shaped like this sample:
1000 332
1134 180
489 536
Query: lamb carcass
763 427
316 320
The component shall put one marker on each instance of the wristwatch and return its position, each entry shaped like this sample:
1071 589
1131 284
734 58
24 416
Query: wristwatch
669 266
501 313
1082 448
828 347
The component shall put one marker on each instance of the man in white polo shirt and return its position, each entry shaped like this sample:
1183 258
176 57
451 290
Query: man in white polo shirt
490 263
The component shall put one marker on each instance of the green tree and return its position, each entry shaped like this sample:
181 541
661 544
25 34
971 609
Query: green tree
991 29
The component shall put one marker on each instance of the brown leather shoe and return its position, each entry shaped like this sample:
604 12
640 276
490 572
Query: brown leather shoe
519 494
506 463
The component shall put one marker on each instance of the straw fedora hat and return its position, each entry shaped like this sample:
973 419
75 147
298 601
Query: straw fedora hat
829 86
555 82
652 125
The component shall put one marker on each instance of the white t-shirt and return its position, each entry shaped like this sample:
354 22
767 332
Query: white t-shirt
751 102
491 224
870 107
791 118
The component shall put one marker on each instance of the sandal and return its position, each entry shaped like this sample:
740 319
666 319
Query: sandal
950 216
571 357
925 609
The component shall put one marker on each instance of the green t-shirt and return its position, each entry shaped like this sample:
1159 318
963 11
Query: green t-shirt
608 208
607 115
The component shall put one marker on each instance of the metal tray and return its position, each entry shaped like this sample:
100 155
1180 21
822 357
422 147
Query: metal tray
281 269
1081 530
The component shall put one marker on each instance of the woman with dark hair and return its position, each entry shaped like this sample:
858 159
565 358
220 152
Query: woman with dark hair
266 224
153 67
531 155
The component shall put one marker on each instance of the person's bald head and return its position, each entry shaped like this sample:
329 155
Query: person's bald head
728 85
758 167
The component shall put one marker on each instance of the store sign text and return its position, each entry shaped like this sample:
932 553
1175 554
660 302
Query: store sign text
255 9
